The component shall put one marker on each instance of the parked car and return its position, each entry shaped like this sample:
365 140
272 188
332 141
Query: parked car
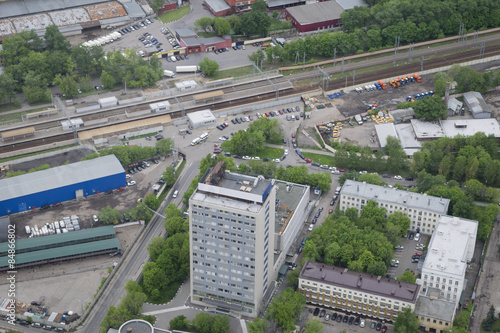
316 312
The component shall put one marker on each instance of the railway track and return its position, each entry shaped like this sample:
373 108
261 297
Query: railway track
339 83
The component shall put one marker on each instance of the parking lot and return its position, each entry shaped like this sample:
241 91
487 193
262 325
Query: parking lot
335 326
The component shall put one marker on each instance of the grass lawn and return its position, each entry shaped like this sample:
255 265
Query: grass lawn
270 152
174 15
494 328
8 107
12 116
234 72
321 159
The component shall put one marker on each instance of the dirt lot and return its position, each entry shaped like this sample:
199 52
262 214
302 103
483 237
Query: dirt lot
54 285
72 156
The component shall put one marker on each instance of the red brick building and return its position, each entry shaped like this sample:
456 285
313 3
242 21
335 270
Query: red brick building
168 5
195 44
316 16
218 7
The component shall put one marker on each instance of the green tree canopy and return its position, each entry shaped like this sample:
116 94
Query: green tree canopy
430 108
109 215
164 146
209 66
284 309
407 276
406 322
222 26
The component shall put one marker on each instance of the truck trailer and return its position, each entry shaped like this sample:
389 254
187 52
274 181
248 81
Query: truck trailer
168 73
187 69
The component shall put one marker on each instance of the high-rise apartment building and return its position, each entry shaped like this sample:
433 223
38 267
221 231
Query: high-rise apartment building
240 231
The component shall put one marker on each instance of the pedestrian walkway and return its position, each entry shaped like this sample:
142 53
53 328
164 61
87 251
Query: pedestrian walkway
165 310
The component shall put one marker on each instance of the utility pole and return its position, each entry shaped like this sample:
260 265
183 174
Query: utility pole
334 56
353 77
342 74
396 48
422 64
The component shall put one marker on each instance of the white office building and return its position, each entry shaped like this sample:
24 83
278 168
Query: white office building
423 210
450 250
240 230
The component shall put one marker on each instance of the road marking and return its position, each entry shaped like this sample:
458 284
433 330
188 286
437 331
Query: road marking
166 310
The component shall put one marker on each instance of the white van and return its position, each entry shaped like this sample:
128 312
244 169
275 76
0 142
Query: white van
204 136
175 193
337 190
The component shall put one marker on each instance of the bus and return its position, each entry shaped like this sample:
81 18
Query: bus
195 142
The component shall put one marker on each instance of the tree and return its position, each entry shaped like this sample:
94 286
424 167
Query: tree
396 160
490 319
257 326
169 176
209 67
54 39
377 268
109 215
164 146
206 323
407 276
157 5
257 57
269 127
245 143
401 221
314 326
204 23
156 247
180 323
152 201
7 88
259 6
222 26
284 309
67 85
154 279
406 322
430 108
107 80
275 14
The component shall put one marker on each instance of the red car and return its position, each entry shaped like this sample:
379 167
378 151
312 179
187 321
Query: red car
330 211
308 160
225 124
267 115
280 111
120 189
250 117
293 135
343 170
384 329
57 204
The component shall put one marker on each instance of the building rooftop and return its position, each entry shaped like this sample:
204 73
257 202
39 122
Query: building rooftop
435 308
350 4
454 104
427 129
59 240
201 116
217 5
106 10
402 114
469 127
69 16
186 32
69 250
475 102
373 284
136 325
316 12
60 176
287 199
19 8
451 246
280 3
384 131
385 194
231 189
406 136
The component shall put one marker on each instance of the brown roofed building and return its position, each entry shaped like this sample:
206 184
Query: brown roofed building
354 292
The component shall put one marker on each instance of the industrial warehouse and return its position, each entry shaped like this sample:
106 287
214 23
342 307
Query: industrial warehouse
61 248
63 183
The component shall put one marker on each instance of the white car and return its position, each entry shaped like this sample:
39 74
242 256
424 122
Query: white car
362 323
311 227
417 237
222 138
363 172
130 183
127 176
256 158
399 247
395 261
277 160
95 218
246 157
398 177
286 152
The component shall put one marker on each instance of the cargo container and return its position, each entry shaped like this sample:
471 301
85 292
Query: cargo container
168 73
187 69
